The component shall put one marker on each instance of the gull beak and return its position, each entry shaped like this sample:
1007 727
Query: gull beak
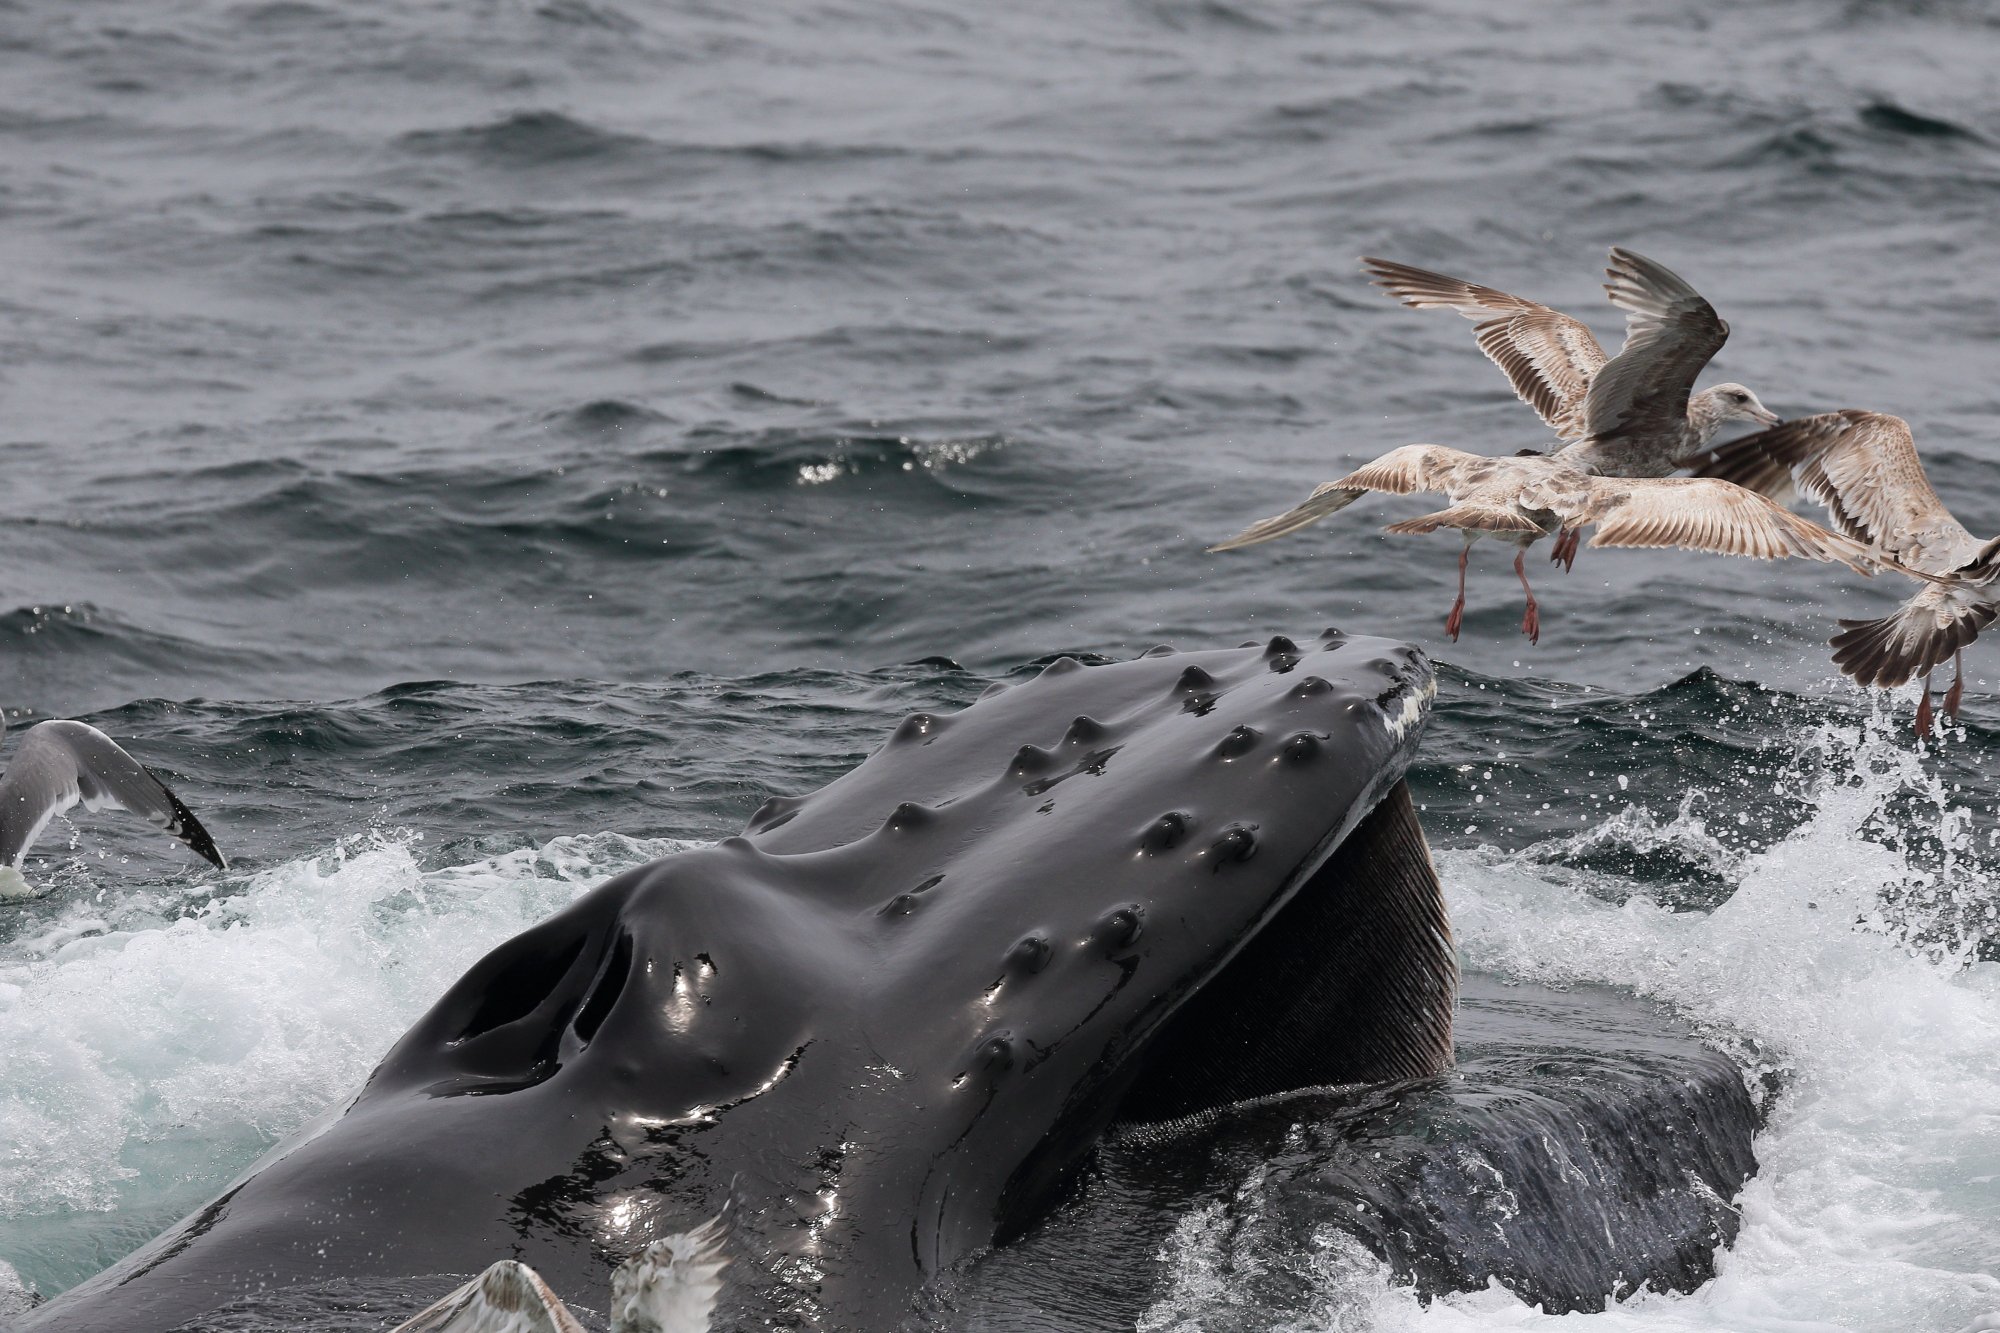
1764 416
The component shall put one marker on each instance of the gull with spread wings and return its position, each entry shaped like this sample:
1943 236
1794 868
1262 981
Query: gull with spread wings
61 763
1632 415
1862 467
1523 498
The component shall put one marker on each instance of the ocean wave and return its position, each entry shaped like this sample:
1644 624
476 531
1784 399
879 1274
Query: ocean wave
48 647
1893 119
526 138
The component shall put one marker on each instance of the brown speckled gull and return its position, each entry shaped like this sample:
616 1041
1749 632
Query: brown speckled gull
1862 467
1529 496
1632 415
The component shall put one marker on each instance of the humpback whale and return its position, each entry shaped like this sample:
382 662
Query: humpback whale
889 1021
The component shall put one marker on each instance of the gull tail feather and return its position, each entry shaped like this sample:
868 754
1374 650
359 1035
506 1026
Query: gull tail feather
1983 567
1909 641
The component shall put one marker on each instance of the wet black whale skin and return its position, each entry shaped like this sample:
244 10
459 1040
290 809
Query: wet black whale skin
894 1013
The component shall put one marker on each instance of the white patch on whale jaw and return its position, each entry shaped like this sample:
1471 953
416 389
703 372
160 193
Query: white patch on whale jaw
1410 708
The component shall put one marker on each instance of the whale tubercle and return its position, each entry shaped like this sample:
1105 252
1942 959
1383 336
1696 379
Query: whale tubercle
1030 759
910 815
1030 954
1238 742
1194 678
995 1055
1119 929
1167 832
1237 843
1085 730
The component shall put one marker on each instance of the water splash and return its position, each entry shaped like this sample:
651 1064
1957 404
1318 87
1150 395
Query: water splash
1229 1270
1844 970
15 1298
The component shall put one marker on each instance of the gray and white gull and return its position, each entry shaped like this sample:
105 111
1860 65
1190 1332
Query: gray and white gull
671 1286
1863 469
62 763
1529 496
1632 415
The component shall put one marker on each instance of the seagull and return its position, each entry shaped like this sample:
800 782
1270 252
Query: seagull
61 763
1632 415
1528 496
1862 467
671 1286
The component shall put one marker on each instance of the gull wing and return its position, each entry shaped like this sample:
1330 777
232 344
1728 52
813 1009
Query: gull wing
1546 355
673 1284
508 1297
1414 467
1670 334
62 763
1863 468
1697 514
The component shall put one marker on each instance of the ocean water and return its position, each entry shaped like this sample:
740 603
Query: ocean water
473 448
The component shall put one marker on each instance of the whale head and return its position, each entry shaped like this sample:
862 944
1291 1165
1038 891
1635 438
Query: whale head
891 1019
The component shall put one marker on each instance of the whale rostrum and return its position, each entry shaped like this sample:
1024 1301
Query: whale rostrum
889 1022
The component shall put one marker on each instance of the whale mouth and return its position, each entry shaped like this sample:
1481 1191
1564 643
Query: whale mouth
1353 980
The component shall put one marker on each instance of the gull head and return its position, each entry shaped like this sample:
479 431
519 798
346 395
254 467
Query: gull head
1729 402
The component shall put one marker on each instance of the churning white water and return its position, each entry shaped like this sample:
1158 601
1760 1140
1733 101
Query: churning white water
1838 964
152 1044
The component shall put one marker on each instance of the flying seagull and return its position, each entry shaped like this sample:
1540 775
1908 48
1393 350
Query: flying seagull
671 1286
1862 467
1632 415
61 763
1526 497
